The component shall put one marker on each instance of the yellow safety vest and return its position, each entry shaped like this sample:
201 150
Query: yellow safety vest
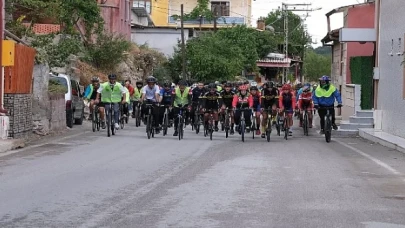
319 92
181 98
109 95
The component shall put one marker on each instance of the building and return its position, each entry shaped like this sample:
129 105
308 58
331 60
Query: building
156 23
358 18
389 74
117 16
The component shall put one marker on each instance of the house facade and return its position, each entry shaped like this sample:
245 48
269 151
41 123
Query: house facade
354 17
117 16
389 73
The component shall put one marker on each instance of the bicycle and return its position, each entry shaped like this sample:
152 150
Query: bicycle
305 122
197 120
165 124
227 122
210 128
328 123
96 118
286 128
180 125
253 116
137 114
242 123
110 119
150 130
279 123
123 117
269 124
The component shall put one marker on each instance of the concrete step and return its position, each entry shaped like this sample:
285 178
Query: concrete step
346 133
365 113
361 120
346 125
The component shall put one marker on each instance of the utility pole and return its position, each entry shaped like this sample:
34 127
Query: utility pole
183 46
215 17
286 8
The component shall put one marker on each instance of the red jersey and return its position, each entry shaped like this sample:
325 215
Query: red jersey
305 99
240 101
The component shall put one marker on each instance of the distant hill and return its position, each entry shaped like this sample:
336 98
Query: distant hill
323 50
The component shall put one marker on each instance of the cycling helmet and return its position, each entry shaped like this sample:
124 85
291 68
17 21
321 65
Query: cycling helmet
212 86
228 84
95 79
216 82
306 88
279 85
324 78
112 76
182 83
246 82
151 79
307 84
286 87
167 84
242 87
253 88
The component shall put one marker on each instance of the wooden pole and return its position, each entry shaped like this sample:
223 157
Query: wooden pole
183 46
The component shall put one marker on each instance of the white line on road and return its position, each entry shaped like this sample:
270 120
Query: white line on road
375 160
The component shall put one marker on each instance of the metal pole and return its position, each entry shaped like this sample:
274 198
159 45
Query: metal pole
2 24
183 48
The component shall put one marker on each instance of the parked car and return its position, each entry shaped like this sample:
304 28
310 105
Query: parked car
73 98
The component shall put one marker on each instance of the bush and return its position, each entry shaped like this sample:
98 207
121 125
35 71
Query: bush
107 52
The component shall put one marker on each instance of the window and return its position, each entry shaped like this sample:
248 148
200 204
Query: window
222 8
146 4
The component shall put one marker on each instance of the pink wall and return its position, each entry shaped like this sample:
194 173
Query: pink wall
117 16
359 17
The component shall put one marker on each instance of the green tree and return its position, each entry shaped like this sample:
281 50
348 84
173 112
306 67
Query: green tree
316 65
298 37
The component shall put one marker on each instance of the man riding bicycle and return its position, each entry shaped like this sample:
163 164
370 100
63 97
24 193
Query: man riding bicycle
210 101
269 101
91 94
256 97
166 94
181 96
324 97
227 97
151 93
305 103
136 96
112 93
243 100
287 104
196 93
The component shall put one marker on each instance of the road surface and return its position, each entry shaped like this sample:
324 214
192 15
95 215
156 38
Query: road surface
90 180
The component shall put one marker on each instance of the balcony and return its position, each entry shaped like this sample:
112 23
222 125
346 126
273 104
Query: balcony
220 21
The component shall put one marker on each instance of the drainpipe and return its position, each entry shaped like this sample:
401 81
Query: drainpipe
2 24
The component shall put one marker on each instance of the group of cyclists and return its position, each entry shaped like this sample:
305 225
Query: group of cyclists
214 100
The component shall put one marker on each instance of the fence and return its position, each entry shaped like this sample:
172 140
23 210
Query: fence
18 78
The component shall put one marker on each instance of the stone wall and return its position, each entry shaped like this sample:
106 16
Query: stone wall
351 96
19 108
41 112
57 121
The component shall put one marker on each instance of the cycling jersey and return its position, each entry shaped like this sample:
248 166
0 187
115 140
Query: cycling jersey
256 101
287 100
227 98
197 93
211 100
305 101
111 93
269 97
166 96
150 92
242 101
181 98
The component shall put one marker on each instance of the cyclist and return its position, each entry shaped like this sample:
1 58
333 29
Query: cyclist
256 97
181 96
111 92
131 90
305 103
91 93
210 101
324 97
125 107
151 93
196 93
287 104
218 85
227 97
136 96
166 96
240 101
269 100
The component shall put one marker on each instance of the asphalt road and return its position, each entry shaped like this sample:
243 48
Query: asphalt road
90 180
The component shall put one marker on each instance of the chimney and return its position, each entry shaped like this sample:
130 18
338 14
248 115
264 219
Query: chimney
261 25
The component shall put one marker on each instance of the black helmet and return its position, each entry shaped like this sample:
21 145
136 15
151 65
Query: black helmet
151 79
139 83
95 79
167 84
112 76
270 84
182 83
228 84
253 88
212 86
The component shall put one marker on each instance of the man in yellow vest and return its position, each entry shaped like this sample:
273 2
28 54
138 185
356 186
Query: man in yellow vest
112 93
324 97
181 98
136 96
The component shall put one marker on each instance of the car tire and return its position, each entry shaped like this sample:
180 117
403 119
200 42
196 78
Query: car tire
69 118
80 120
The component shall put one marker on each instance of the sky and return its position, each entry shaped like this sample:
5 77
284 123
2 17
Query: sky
316 22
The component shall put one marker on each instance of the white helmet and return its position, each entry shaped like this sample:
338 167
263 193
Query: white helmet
253 84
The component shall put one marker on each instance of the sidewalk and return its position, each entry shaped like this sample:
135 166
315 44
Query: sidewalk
11 144
383 138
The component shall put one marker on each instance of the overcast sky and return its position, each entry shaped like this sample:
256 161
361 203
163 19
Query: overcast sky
316 22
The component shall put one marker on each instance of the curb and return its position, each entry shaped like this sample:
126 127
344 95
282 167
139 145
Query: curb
369 135
11 144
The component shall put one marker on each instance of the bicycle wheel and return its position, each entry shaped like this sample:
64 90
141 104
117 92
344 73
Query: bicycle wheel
137 117
286 130
268 130
148 126
278 128
108 114
180 127
112 121
165 124
93 120
305 124
122 122
226 125
242 130
253 126
328 129
211 128
98 120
